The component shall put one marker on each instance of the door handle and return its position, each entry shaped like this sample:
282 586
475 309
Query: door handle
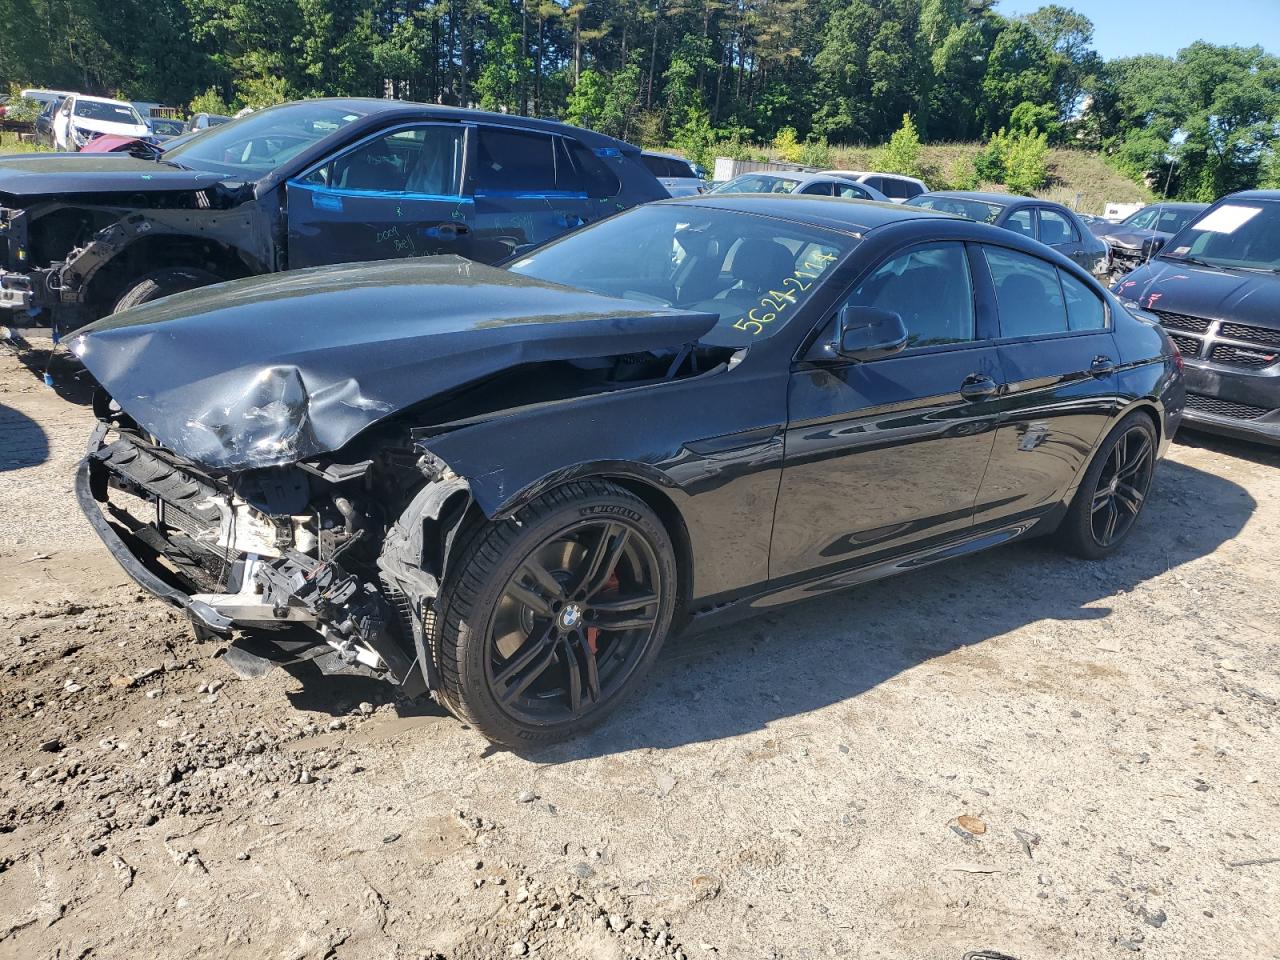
978 386
448 230
1102 366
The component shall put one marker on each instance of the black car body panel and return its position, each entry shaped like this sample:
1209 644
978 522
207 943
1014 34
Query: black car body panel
780 468
290 377
1226 323
76 232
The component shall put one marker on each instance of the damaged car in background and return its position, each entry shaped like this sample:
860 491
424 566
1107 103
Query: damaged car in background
1138 237
296 185
508 485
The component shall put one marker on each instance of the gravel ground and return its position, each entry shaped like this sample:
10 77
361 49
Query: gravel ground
1015 752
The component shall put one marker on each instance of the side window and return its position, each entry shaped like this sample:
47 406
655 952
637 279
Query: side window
597 179
851 191
1085 309
423 160
929 287
1020 222
514 161
1028 294
912 189
820 189
896 189
877 183
1145 220
1056 228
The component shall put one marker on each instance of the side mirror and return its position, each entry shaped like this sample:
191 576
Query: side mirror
1154 245
869 333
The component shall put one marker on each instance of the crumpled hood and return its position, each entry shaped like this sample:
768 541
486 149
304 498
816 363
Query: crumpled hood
40 174
1132 239
1236 295
282 367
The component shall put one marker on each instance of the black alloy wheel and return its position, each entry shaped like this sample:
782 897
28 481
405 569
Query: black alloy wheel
1122 486
573 622
547 620
1113 491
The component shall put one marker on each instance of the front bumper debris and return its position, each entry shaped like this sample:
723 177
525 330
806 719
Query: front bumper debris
265 597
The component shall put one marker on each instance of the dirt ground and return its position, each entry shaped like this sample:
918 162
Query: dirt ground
1016 752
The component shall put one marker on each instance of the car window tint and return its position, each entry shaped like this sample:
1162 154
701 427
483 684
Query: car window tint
851 191
912 189
876 183
1085 310
897 188
929 287
513 161
1020 222
597 179
1055 228
426 161
821 189
1028 294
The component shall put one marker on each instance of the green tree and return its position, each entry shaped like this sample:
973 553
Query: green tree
902 153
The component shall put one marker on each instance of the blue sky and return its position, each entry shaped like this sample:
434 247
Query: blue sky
1123 28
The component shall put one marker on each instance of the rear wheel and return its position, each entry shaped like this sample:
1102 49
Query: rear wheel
550 619
1114 490
162 283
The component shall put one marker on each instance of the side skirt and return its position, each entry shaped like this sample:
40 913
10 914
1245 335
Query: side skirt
793 591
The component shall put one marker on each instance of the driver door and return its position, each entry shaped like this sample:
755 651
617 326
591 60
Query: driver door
395 194
888 453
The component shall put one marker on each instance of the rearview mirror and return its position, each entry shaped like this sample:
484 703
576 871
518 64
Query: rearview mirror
869 333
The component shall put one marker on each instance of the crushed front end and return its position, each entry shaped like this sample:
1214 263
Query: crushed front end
285 562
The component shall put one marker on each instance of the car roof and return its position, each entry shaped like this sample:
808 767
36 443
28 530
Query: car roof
872 173
1004 199
664 156
373 106
115 103
834 213
1254 195
1178 205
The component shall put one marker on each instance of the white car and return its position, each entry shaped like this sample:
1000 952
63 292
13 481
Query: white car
81 118
896 186
680 177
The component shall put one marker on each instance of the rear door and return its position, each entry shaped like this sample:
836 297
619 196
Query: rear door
397 193
885 454
1058 358
1056 230
527 190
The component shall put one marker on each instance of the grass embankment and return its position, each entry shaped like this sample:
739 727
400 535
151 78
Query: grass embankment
9 143
1080 179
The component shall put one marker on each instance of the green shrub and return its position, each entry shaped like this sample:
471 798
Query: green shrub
211 102
964 175
1027 163
787 143
816 152
902 153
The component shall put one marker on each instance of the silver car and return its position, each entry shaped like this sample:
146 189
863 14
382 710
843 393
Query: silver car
678 175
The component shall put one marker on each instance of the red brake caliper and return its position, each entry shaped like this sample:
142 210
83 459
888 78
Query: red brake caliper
593 633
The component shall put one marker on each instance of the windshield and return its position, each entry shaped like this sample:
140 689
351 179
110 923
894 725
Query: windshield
108 112
165 127
754 272
1244 235
757 183
254 145
980 210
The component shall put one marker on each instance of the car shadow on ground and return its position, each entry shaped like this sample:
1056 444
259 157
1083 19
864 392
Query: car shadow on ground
1261 453
25 442
743 677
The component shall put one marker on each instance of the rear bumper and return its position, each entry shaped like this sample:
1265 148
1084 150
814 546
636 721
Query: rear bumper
1244 404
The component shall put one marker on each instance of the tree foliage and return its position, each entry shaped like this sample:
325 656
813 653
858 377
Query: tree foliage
696 72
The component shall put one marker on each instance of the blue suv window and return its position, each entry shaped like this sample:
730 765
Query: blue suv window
426 161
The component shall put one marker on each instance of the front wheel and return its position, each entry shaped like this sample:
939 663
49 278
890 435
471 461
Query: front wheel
552 617
1114 490
162 283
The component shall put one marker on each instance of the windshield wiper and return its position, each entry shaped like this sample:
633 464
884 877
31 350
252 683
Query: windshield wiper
1196 260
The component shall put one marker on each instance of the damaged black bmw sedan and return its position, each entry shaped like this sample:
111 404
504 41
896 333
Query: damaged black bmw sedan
511 484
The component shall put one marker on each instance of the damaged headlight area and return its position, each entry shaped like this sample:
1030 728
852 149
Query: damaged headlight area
293 563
